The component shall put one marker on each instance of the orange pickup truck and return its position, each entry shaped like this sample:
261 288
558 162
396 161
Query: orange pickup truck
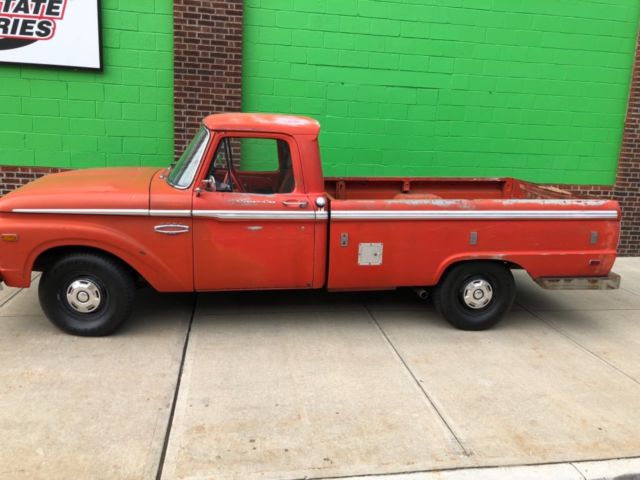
246 207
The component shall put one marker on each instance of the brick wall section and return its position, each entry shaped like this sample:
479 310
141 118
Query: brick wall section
207 62
587 191
627 187
13 177
591 191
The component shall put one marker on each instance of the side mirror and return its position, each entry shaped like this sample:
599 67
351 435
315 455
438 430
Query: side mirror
209 183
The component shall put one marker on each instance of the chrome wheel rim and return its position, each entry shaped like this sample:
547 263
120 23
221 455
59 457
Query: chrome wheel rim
477 294
84 296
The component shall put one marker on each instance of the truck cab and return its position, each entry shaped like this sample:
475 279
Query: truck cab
258 210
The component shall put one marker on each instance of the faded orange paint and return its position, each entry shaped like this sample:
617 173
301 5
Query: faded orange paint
238 240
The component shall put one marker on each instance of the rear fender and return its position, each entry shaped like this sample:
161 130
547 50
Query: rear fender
592 263
456 259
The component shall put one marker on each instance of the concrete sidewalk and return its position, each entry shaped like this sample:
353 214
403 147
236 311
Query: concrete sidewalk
297 385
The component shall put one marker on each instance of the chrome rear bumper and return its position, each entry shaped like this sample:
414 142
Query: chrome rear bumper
610 282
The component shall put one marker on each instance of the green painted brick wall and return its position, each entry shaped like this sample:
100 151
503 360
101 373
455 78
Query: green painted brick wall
121 116
532 89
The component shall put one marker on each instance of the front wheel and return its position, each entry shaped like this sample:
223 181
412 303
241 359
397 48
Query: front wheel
87 294
475 295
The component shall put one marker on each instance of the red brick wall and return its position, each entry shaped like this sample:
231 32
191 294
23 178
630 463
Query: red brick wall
207 62
627 187
14 177
598 191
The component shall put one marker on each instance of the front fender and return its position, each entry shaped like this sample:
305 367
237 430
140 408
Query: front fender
166 263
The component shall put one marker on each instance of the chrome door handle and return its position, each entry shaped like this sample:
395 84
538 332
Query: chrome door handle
296 203
172 228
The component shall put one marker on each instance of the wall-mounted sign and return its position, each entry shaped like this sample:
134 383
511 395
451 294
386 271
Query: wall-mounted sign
64 33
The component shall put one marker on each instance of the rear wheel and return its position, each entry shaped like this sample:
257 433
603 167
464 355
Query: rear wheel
475 295
87 294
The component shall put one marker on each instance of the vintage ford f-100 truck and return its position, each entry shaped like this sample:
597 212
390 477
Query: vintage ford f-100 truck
246 207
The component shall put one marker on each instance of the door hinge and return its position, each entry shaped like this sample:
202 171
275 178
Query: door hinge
344 239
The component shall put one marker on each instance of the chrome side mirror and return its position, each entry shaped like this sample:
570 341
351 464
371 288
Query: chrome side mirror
209 183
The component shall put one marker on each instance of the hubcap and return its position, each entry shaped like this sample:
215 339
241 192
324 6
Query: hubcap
84 296
477 294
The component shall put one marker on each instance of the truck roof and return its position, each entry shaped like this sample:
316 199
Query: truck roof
262 122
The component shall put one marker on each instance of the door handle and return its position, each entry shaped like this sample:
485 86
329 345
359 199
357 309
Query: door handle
172 229
296 203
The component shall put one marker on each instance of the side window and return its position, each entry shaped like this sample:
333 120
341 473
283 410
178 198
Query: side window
253 165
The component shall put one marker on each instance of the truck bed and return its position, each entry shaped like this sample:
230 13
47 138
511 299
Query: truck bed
438 188
414 228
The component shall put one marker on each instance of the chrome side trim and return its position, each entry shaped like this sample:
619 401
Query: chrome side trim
84 211
172 229
476 214
170 213
222 214
340 214
255 214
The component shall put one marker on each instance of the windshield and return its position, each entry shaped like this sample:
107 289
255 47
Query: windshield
182 174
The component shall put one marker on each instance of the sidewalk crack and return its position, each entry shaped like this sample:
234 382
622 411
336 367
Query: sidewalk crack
578 344
417 382
578 470
176 390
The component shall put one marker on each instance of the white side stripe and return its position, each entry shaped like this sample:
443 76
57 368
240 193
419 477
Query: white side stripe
170 213
255 214
472 214
220 214
84 211
342 214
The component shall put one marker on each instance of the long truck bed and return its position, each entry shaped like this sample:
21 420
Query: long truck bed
438 222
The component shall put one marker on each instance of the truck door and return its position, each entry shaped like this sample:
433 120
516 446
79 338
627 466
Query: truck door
253 224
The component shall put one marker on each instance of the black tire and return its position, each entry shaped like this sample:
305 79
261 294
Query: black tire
108 286
493 280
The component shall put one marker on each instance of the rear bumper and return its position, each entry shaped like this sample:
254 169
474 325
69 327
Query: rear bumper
610 282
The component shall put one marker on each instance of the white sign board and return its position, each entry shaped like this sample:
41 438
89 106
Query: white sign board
64 33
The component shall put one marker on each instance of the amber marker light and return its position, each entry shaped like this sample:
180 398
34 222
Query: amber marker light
9 237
